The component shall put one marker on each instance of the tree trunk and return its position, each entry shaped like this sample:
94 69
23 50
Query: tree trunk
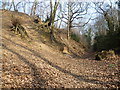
51 13
119 12
52 18
69 20
68 31
33 10
14 5
110 22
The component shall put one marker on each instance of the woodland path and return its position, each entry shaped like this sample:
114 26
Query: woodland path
36 65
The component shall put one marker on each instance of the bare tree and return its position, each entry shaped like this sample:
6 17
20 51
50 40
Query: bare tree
71 17
53 11
4 4
14 5
34 7
119 12
52 17
24 6
100 25
109 13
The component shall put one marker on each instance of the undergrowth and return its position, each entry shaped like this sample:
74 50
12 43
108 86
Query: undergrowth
17 28
75 37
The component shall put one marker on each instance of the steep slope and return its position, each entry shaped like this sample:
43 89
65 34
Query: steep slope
32 63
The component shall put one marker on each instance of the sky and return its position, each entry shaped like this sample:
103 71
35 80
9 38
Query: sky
71 0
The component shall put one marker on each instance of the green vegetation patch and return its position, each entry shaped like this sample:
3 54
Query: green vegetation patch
75 37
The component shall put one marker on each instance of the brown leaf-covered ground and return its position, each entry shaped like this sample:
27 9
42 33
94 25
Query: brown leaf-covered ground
34 65
37 65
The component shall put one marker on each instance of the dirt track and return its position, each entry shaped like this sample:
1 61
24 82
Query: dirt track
37 65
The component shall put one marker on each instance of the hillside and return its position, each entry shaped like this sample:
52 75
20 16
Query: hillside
36 62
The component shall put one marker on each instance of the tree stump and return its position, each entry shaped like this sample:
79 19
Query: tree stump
65 50
105 55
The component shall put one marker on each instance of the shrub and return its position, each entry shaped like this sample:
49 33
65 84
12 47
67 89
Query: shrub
75 37
107 42
18 28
